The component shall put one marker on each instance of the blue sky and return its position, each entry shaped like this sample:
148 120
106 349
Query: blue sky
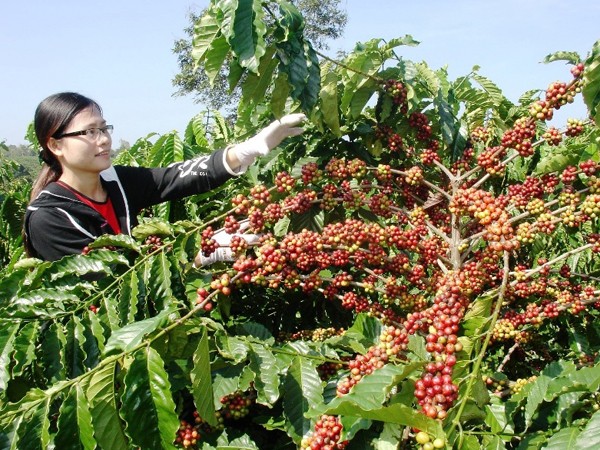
119 51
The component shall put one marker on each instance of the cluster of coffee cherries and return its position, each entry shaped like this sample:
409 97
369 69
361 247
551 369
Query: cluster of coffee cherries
490 212
325 436
202 295
520 383
420 122
552 136
188 435
237 405
574 127
284 182
520 136
87 249
398 91
491 160
154 243
311 173
362 365
317 335
496 384
480 134
207 244
427 442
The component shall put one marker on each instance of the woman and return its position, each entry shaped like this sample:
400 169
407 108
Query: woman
79 195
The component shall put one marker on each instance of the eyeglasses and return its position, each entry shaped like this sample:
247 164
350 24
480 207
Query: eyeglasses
92 133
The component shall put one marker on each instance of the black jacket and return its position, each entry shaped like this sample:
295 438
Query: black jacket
59 224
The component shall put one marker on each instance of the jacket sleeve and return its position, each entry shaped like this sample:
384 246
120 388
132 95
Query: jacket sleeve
53 236
149 186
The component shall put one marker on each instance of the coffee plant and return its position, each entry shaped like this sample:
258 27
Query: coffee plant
427 272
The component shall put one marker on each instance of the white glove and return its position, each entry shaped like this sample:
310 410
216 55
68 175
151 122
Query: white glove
223 252
268 138
224 239
220 254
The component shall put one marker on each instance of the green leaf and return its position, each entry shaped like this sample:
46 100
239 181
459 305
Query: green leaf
329 100
572 57
159 281
102 397
493 443
373 389
128 337
257 330
255 85
360 98
131 293
34 434
24 347
248 38
8 333
117 240
75 429
96 331
243 442
90 345
201 381
292 19
215 57
281 91
396 413
195 132
156 227
591 83
226 381
206 29
563 439
41 303
263 365
589 438
557 159
282 226
494 92
232 348
532 441
497 419
53 343
93 263
310 93
293 64
303 391
74 353
367 326
148 407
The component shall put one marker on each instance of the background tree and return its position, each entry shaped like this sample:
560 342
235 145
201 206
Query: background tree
325 20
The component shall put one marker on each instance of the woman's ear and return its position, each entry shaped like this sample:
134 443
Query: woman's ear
55 146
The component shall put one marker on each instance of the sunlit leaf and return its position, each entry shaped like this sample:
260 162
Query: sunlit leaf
24 347
75 429
263 364
102 397
128 337
303 391
8 333
147 388
589 438
202 381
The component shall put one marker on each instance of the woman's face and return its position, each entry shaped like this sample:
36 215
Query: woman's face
83 155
